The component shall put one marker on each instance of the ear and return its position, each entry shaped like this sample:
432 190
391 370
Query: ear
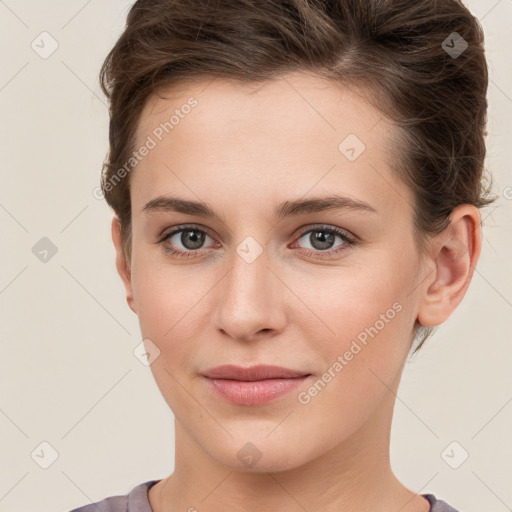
452 259
123 268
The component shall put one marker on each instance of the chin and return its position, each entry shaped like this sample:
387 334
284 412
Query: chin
264 453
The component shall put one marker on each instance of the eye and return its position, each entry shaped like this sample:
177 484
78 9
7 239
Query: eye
190 238
322 240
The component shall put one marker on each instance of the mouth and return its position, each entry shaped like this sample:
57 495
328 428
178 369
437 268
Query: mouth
255 385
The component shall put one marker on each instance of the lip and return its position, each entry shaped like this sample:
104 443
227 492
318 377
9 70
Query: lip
255 385
258 372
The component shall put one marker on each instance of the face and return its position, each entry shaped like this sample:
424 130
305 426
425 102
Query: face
328 292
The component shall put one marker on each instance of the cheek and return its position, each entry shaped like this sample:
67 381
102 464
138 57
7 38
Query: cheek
362 345
364 316
350 299
168 301
168 308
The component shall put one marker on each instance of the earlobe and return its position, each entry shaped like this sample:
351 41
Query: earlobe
454 255
123 268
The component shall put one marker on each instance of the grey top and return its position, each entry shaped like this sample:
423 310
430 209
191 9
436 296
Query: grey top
137 501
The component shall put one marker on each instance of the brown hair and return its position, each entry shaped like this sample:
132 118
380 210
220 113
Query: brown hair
412 56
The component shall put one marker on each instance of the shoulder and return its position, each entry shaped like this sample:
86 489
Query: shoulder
135 501
438 505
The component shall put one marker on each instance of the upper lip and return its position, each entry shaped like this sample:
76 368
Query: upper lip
258 372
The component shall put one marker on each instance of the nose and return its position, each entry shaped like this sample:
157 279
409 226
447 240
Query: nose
250 300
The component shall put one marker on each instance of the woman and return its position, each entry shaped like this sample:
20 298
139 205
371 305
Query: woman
296 188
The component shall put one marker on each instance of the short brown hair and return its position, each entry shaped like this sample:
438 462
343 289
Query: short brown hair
412 56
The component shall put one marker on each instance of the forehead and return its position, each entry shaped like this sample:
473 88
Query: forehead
290 135
260 106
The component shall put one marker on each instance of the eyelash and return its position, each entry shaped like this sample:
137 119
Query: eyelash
349 242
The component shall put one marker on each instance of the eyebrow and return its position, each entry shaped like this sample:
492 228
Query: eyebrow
282 210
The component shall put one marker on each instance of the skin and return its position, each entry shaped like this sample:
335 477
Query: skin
243 149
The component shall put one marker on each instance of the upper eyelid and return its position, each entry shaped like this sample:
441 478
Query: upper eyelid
176 229
326 227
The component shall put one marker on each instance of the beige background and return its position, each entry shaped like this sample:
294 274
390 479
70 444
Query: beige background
68 374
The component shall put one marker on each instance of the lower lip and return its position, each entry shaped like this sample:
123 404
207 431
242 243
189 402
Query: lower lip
254 392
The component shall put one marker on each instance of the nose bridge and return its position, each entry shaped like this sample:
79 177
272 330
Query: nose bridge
249 300
248 281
